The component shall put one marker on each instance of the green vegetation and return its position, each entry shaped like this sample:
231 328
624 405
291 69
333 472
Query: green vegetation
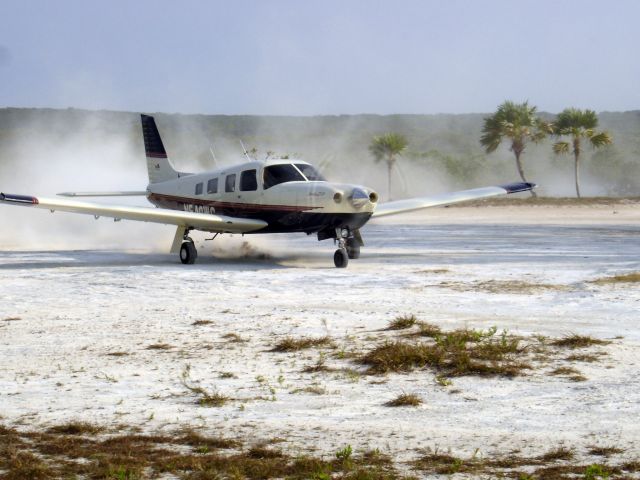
518 124
443 147
578 125
205 397
402 322
455 353
290 344
578 341
405 400
386 148
633 277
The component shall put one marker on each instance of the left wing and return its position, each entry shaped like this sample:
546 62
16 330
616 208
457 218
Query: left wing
200 221
411 204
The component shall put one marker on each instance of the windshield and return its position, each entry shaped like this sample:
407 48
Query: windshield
276 174
310 172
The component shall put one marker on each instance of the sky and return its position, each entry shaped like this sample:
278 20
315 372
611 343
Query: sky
319 57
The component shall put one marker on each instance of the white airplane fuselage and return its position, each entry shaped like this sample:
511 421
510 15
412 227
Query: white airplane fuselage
247 190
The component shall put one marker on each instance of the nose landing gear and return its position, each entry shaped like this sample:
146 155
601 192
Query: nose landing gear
348 247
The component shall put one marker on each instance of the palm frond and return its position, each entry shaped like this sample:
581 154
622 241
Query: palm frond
516 121
600 139
387 146
560 148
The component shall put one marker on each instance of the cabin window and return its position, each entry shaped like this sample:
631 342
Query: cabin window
248 181
199 188
276 174
311 173
212 186
230 183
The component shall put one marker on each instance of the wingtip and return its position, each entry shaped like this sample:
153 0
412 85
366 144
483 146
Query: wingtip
519 187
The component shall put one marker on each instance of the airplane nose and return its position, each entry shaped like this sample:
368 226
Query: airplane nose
359 198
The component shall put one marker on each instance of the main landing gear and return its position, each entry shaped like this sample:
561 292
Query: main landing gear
348 247
188 252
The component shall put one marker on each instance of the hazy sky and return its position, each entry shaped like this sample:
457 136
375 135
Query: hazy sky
310 57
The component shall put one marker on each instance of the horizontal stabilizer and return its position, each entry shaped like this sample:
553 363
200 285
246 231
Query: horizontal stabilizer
412 204
132 193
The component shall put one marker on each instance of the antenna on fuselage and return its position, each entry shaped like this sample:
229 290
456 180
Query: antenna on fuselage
244 150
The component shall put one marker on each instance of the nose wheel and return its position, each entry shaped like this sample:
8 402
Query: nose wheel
188 252
341 258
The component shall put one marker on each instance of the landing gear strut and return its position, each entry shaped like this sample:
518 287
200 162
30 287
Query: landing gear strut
188 252
348 247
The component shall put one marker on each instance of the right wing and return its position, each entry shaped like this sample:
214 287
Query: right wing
411 204
199 221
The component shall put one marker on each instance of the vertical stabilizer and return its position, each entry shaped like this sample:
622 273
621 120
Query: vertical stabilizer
158 164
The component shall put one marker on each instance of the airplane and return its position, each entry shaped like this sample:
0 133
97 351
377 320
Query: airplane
255 197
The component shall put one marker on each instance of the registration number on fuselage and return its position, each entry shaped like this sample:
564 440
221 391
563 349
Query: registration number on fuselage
188 207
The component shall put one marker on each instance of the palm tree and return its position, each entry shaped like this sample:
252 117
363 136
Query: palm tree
578 124
518 123
386 148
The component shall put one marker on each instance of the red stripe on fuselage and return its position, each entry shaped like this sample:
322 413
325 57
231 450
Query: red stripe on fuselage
230 205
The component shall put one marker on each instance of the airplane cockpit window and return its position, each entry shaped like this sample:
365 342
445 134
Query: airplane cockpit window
212 186
199 188
311 173
248 181
230 183
276 174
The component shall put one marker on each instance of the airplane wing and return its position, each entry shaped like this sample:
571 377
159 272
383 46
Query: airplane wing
411 204
127 193
200 221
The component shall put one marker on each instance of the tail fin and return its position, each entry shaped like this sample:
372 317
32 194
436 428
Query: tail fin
158 164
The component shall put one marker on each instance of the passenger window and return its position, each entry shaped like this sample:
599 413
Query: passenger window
212 186
199 188
230 183
248 181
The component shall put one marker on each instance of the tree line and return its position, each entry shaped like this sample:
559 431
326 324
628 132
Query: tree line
517 124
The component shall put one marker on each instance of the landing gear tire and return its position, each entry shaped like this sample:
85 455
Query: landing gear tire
341 258
353 248
188 253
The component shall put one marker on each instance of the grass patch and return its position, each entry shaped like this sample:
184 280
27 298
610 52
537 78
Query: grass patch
602 451
159 346
117 354
429 330
75 428
624 278
234 338
205 397
578 341
564 371
290 344
585 357
405 400
314 389
188 454
11 319
182 454
433 270
502 286
199 323
456 353
558 453
402 322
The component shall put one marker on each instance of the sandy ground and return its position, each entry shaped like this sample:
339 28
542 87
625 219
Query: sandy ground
64 313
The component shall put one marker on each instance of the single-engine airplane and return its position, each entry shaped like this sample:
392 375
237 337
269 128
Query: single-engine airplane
273 196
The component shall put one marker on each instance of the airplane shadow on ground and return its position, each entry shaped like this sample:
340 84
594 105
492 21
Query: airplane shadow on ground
20 260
